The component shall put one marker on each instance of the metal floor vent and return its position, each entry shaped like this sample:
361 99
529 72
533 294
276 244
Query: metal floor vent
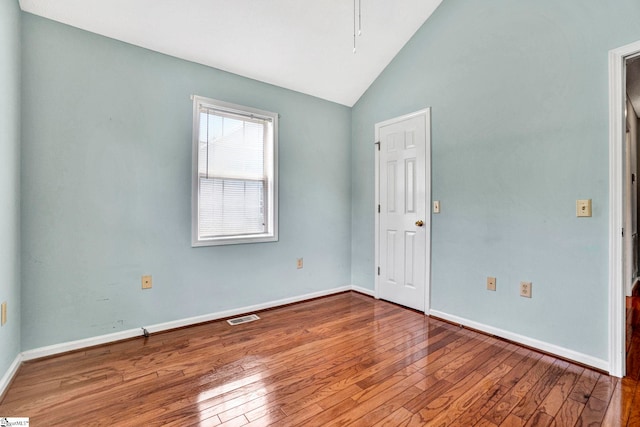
243 319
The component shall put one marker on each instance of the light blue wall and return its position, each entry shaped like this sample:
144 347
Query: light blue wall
519 98
518 92
9 180
106 187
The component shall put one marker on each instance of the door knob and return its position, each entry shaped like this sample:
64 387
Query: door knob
419 223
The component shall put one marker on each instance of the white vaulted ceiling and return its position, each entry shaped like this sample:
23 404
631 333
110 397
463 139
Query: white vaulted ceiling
301 45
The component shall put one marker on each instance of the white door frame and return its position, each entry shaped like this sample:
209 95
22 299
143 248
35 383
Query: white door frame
427 164
617 131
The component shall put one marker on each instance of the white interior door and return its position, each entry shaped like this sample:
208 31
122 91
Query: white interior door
403 226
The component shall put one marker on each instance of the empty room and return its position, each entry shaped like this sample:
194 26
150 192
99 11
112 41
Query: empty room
344 212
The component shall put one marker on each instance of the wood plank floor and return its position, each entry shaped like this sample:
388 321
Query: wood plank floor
346 359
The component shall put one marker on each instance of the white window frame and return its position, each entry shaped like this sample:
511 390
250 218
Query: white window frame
271 174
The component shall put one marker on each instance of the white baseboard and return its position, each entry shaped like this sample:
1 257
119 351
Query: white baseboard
365 291
130 333
243 310
8 376
527 341
54 349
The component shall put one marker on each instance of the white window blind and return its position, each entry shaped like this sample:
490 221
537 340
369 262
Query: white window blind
235 177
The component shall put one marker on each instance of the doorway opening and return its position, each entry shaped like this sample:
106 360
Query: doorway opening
623 198
632 162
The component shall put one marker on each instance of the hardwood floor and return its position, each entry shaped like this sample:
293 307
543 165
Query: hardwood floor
343 359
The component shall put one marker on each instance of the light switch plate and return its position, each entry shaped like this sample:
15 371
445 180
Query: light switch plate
583 208
3 315
436 206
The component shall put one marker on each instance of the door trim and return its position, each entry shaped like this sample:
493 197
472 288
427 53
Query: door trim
426 113
617 130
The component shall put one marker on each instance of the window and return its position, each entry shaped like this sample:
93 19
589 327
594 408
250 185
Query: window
235 189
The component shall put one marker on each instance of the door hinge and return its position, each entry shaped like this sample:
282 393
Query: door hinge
378 144
623 232
378 208
378 271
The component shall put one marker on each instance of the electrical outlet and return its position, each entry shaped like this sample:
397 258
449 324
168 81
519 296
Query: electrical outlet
299 263
525 289
3 314
491 283
146 282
